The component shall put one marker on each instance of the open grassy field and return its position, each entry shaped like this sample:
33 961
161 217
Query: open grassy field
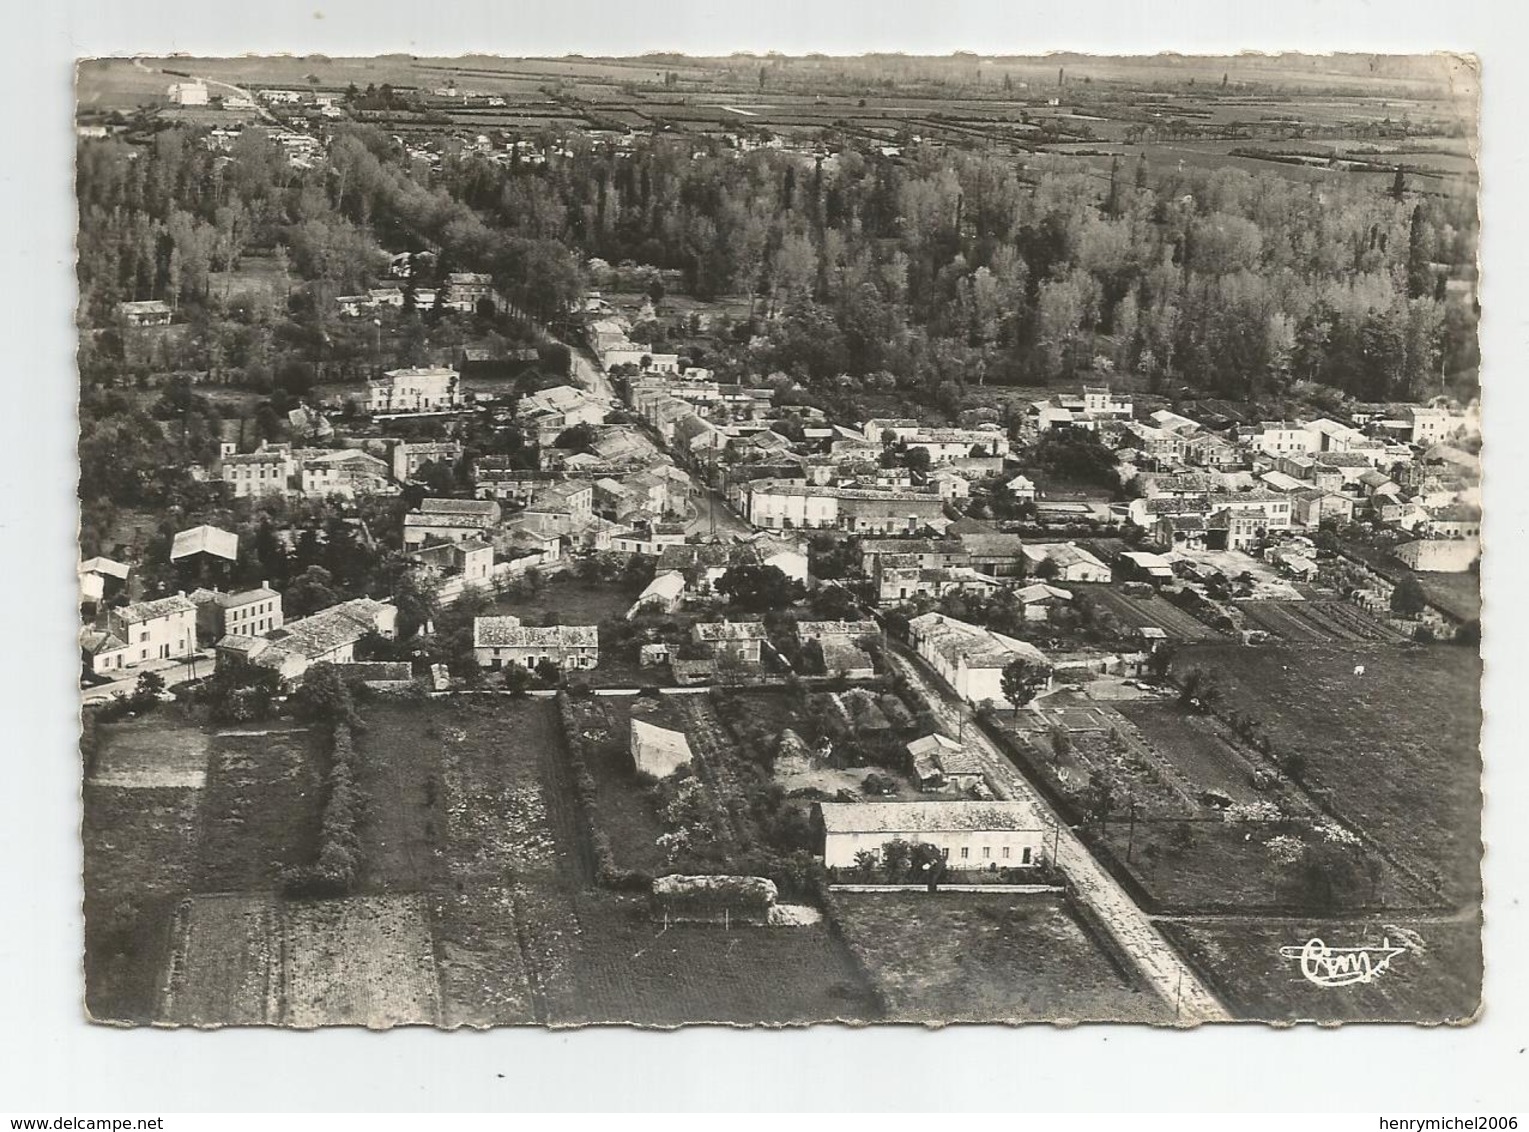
630 968
152 751
570 601
1437 978
139 835
1392 749
260 810
138 845
987 957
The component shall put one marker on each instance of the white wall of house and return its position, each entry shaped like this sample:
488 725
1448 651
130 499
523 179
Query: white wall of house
158 638
529 656
963 849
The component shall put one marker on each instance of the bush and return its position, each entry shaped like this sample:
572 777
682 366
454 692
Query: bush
335 871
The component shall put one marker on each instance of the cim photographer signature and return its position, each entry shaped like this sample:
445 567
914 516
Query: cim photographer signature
1342 966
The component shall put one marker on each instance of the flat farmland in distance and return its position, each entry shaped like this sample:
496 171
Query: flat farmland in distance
1394 750
987 957
1436 978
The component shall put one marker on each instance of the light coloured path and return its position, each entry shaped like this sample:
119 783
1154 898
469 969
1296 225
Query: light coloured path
1159 964
589 375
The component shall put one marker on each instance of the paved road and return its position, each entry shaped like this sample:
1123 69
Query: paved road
173 671
588 374
1132 928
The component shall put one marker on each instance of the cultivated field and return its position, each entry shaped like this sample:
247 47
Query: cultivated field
1152 612
1393 749
1436 978
987 957
226 966
1186 823
627 816
362 961
241 960
1317 621
522 932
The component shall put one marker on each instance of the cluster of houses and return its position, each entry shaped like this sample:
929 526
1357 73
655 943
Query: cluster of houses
609 339
460 291
1205 479
1236 488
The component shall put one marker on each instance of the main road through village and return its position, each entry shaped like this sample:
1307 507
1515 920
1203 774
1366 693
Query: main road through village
1133 930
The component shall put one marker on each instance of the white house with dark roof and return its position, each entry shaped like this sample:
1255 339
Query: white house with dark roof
503 642
162 629
970 658
450 520
739 640
346 472
970 835
93 574
102 651
266 471
1072 563
408 456
414 390
254 612
937 760
148 312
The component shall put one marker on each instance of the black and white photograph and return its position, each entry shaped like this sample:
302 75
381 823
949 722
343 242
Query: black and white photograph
773 539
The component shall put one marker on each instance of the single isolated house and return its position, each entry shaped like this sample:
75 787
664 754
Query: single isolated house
970 835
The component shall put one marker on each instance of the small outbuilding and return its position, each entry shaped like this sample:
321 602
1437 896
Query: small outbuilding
657 750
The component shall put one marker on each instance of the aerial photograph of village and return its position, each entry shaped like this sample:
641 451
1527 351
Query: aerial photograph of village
774 540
